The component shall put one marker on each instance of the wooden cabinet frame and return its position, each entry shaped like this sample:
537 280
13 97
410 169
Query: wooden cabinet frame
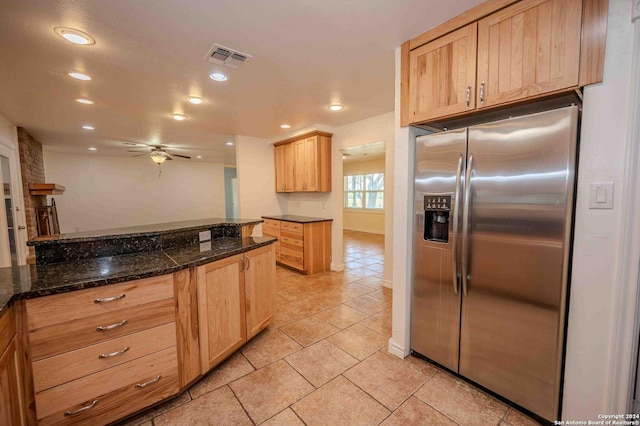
591 56
303 163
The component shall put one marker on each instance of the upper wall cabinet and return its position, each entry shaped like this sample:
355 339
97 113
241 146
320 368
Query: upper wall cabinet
303 163
502 52
443 75
528 49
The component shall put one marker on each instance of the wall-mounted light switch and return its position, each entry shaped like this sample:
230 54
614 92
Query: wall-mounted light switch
601 195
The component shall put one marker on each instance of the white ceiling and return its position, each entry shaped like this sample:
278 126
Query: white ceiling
366 152
149 55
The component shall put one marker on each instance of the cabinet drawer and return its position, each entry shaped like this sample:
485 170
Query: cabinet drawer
63 368
270 232
291 240
271 223
59 338
292 257
60 308
292 227
114 389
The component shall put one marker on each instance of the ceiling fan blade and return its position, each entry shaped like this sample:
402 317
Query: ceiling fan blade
140 155
169 158
131 150
181 156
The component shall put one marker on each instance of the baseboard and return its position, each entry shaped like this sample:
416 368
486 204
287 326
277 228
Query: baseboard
337 268
387 284
368 231
397 350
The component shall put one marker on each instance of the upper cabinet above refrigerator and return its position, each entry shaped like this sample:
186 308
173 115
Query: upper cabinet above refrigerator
525 50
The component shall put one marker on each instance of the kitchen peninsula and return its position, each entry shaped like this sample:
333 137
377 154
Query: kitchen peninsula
110 322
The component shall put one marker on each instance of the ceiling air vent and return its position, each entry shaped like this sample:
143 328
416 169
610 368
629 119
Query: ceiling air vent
224 56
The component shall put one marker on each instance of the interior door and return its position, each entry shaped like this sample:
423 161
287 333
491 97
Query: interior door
435 303
522 173
9 255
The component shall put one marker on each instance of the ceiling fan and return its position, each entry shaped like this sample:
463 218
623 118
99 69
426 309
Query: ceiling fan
159 154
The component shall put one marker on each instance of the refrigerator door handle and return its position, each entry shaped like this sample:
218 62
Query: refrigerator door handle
454 247
465 226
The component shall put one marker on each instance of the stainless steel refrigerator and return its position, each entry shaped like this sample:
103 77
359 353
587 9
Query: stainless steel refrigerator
492 231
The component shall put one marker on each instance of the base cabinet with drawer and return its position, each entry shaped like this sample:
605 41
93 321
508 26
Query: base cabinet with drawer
235 302
101 354
305 247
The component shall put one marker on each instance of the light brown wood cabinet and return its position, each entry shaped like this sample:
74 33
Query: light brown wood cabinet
305 247
235 302
285 160
259 289
221 310
11 401
528 49
525 50
101 354
303 163
443 75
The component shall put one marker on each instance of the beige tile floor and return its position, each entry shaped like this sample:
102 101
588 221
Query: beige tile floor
323 361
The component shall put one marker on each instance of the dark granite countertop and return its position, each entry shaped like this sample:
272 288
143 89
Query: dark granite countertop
25 282
142 230
298 219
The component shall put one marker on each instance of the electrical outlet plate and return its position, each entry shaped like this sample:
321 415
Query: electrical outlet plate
204 236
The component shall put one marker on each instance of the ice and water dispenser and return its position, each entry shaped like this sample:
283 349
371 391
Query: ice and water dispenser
436 218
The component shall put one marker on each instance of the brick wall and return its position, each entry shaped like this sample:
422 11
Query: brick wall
32 170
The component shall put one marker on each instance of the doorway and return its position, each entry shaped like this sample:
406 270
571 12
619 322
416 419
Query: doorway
365 199
8 240
231 192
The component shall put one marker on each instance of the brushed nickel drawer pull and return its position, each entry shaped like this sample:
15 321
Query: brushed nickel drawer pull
112 326
109 299
80 410
112 354
141 385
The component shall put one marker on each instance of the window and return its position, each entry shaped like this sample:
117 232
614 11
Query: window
364 191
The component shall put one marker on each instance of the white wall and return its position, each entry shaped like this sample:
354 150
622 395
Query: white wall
593 305
593 288
105 192
256 179
366 220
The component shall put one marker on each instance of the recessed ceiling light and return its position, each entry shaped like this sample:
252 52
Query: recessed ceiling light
229 143
93 149
218 76
335 107
179 117
88 127
195 100
74 36
285 126
79 76
85 101
199 156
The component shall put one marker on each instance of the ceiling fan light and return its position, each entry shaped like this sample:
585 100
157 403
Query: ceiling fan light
158 156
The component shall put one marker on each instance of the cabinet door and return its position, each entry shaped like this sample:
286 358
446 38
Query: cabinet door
299 165
260 285
289 167
220 310
310 164
442 75
280 168
528 49
10 390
